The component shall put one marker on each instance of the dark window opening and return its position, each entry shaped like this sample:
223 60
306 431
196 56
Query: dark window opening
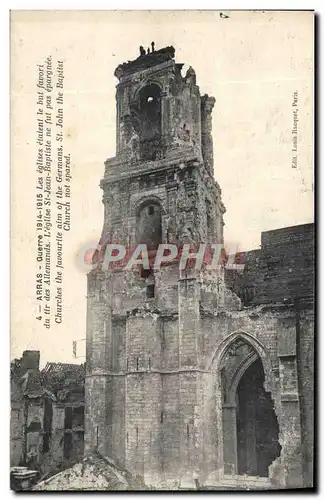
67 446
148 117
68 417
149 226
150 112
78 416
146 273
162 333
150 290
47 425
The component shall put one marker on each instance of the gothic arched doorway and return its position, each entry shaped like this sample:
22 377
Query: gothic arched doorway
250 426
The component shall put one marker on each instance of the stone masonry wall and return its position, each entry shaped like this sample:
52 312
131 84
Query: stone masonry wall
153 385
283 269
161 423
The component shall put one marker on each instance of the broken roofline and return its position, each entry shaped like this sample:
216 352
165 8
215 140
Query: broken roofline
203 255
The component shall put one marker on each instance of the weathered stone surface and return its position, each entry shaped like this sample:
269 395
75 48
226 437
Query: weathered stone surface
281 270
163 382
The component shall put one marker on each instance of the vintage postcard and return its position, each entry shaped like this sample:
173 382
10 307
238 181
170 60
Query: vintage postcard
162 250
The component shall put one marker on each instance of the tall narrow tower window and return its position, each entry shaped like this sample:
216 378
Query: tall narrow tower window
149 225
150 112
146 111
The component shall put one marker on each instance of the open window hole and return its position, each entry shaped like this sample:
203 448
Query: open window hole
150 291
146 273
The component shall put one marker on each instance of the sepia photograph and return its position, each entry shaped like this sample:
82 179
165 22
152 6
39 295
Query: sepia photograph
162 250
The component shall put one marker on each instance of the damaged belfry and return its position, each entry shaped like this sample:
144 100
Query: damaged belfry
184 384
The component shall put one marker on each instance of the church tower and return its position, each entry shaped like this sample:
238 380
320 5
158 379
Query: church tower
146 348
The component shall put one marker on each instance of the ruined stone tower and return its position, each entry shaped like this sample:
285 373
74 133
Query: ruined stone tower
170 353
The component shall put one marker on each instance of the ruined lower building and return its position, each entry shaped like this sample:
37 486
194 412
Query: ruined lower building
47 414
186 384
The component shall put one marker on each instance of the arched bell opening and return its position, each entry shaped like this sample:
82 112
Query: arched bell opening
149 224
250 425
150 112
146 118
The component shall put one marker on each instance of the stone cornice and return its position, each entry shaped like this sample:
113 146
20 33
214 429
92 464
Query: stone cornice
117 168
151 371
